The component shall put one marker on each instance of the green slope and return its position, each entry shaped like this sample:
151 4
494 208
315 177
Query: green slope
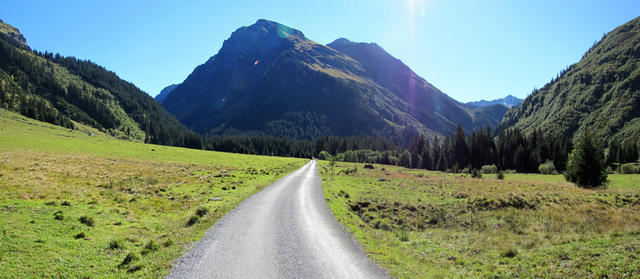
600 92
135 194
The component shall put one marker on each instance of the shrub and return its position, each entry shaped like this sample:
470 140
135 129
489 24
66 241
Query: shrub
87 221
628 169
586 166
500 175
405 159
547 168
202 211
487 169
324 155
476 173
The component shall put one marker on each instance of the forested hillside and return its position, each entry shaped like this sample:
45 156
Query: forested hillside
600 93
60 90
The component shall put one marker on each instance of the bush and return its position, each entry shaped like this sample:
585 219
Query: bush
324 155
628 169
405 159
586 166
487 169
476 173
500 175
547 168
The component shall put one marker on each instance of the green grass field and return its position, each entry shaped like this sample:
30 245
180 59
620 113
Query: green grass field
79 206
424 224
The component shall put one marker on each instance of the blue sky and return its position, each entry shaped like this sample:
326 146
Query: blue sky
468 49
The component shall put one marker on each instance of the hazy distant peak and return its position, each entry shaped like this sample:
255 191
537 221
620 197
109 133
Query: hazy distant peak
509 101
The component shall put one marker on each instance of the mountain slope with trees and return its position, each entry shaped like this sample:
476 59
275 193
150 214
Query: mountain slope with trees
601 93
60 90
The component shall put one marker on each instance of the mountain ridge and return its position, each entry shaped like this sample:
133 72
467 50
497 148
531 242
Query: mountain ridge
601 92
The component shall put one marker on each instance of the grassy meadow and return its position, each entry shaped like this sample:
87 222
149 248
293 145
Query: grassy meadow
426 224
80 205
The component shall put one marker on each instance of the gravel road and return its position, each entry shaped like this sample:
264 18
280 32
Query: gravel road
284 231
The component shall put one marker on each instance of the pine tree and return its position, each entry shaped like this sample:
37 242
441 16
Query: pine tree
460 148
586 166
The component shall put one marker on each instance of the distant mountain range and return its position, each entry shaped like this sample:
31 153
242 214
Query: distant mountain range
509 102
600 93
65 91
271 79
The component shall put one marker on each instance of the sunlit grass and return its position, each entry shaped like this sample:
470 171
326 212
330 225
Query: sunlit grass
140 198
424 224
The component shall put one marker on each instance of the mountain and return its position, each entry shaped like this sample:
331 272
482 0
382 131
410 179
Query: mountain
509 102
164 93
269 78
64 90
601 92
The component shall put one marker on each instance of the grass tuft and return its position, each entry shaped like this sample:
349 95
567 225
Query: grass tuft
151 246
116 244
87 221
193 220
202 211
130 258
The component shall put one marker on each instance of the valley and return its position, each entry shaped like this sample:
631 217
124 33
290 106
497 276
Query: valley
282 157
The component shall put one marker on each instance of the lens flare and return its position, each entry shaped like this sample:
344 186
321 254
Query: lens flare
283 31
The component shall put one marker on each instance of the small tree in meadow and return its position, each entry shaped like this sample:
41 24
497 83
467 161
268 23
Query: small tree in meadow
586 166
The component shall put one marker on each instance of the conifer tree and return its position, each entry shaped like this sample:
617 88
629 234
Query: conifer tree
586 166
